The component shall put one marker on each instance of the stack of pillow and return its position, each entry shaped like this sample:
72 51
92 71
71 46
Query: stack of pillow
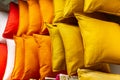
43 38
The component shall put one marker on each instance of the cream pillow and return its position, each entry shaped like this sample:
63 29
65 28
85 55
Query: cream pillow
111 6
101 40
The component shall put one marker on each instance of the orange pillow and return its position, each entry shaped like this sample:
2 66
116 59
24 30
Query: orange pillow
45 56
35 18
19 58
46 7
23 17
31 67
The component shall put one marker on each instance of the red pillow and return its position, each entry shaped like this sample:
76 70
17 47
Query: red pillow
12 22
3 59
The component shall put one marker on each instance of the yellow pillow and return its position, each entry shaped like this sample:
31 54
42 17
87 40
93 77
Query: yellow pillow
35 18
23 17
58 52
58 10
85 74
19 59
46 7
111 6
45 56
72 6
74 54
101 40
31 67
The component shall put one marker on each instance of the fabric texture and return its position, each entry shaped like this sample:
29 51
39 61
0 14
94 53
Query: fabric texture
73 53
58 52
19 58
35 18
3 59
86 74
10 59
45 56
72 6
100 41
95 5
12 22
46 7
31 66
58 10
23 18
3 21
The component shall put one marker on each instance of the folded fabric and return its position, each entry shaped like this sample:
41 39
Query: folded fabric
31 66
3 59
66 77
45 56
86 74
35 18
12 22
74 53
23 17
3 21
101 6
46 7
19 58
100 41
58 52
10 59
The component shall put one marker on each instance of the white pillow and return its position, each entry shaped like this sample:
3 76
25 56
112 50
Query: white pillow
10 58
3 21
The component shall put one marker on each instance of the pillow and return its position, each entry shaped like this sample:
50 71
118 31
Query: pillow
3 59
45 56
95 5
100 41
46 5
12 22
72 6
31 56
19 58
3 21
23 17
35 18
10 59
58 52
58 10
85 74
74 54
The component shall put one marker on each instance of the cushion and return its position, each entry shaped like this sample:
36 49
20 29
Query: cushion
10 59
35 18
45 56
12 22
73 45
3 21
95 5
86 74
100 41
3 59
72 6
19 58
58 10
31 56
23 17
46 5
58 52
